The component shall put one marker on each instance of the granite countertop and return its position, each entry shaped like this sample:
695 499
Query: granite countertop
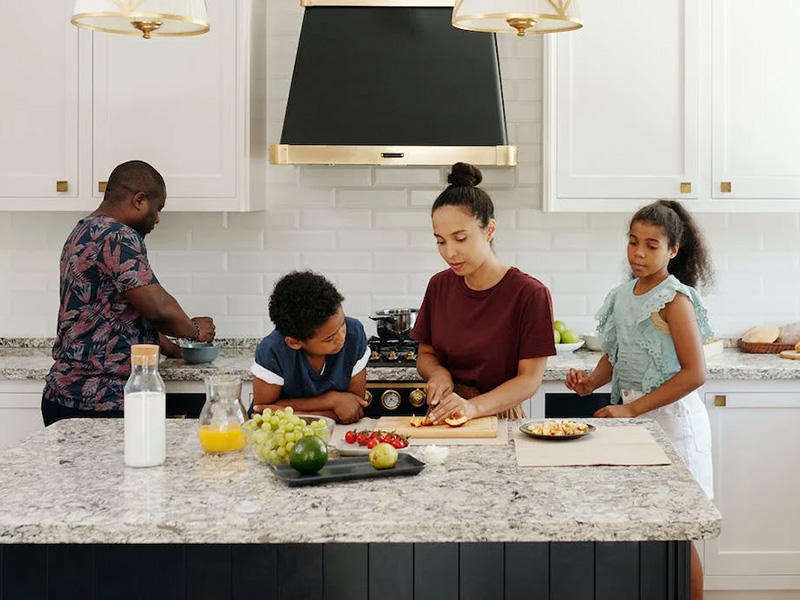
31 359
67 484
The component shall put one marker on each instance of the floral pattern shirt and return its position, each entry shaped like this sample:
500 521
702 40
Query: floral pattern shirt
101 259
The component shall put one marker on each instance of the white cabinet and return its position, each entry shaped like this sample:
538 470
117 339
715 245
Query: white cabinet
679 99
39 106
193 107
20 410
756 485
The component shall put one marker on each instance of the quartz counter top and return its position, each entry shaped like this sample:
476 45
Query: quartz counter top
33 361
68 484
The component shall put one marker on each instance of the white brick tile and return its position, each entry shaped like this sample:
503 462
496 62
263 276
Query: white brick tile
405 262
531 89
295 197
280 175
530 154
536 219
776 283
583 283
276 109
403 219
529 133
253 305
523 240
185 221
324 262
240 327
528 174
187 262
257 221
418 283
278 220
506 218
358 306
299 240
373 239
176 284
383 302
551 262
165 241
335 219
225 283
27 262
520 197
608 262
529 46
509 89
522 69
524 112
5 309
569 304
372 198
24 326
278 89
199 305
423 240
764 308
370 283
412 176
592 239
424 198
33 304
23 282
544 278
257 262
764 262
331 176
497 177
227 239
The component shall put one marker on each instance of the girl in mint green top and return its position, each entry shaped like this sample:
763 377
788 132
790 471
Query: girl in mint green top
652 331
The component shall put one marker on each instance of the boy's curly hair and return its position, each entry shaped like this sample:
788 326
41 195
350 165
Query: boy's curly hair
301 302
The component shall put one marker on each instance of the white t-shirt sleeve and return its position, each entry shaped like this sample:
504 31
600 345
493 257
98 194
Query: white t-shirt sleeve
362 363
266 375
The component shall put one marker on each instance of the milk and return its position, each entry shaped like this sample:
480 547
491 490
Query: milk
145 428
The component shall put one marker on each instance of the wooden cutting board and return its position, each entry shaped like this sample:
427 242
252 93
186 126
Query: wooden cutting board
791 354
482 427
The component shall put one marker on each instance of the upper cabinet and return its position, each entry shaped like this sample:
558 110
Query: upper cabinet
39 106
683 99
193 107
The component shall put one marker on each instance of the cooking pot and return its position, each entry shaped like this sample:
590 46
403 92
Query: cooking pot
395 322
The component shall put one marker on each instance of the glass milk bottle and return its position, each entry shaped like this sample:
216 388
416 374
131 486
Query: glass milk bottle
222 416
145 409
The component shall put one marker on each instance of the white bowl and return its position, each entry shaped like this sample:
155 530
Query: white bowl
592 341
567 348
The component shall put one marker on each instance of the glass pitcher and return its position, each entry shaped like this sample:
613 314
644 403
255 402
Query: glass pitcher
223 415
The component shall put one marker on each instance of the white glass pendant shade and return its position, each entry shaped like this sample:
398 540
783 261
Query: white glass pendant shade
517 16
142 17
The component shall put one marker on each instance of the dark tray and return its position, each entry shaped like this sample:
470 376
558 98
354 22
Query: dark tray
345 469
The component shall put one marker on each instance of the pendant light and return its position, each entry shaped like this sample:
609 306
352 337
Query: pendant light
148 18
517 16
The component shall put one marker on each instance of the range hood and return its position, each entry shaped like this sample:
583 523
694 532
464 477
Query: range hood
380 84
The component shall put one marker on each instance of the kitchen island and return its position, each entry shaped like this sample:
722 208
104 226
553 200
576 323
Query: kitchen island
74 522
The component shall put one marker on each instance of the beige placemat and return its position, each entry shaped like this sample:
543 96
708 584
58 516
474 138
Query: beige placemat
337 439
623 445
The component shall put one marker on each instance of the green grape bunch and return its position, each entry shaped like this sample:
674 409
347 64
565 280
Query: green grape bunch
272 434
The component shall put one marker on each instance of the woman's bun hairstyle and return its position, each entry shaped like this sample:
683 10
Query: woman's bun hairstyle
464 174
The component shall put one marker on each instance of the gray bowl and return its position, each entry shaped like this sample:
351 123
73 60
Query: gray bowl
197 353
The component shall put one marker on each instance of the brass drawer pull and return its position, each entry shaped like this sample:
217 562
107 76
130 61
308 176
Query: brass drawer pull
686 187
725 187
720 400
101 186
62 186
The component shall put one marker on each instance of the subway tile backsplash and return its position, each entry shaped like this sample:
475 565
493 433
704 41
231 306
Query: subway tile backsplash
368 229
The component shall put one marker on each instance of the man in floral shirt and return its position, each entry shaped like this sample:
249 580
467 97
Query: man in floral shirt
110 299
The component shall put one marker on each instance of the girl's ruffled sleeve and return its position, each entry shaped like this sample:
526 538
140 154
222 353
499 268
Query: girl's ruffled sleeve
701 312
607 327
666 294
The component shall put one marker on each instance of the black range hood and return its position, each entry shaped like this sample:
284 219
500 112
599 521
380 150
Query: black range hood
388 85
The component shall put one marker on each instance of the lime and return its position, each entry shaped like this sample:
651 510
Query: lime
560 326
557 336
570 337
383 456
309 454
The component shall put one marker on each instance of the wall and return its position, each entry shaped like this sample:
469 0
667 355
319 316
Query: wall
368 229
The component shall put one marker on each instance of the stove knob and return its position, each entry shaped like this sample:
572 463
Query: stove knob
417 398
375 355
390 399
368 397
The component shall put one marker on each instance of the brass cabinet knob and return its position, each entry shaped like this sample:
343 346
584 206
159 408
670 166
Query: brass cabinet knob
417 398
368 397
720 400
686 187
725 187
62 186
101 186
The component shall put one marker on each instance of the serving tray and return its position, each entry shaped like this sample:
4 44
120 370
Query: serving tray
346 469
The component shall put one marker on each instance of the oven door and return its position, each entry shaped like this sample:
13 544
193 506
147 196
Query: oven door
568 405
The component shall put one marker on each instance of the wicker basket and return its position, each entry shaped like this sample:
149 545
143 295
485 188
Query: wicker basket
763 347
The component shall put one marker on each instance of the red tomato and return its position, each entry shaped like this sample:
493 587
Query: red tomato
372 443
350 437
362 439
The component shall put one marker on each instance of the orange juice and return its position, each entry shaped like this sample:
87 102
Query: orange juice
216 439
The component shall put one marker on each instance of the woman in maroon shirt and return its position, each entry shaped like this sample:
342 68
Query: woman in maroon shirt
484 329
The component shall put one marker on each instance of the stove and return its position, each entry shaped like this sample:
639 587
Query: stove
394 397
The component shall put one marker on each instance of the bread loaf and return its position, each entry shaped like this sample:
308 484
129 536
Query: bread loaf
761 335
789 334
797 347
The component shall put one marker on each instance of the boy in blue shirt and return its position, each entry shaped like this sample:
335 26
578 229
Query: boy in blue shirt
315 361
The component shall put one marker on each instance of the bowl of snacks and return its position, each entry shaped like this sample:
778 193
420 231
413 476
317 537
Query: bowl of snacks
272 434
198 353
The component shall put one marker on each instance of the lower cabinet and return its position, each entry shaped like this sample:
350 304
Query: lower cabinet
755 429
20 410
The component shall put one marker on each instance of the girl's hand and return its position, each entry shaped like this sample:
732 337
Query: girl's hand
579 382
452 403
438 386
616 411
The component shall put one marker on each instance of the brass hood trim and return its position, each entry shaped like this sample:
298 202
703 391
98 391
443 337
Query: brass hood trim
485 156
